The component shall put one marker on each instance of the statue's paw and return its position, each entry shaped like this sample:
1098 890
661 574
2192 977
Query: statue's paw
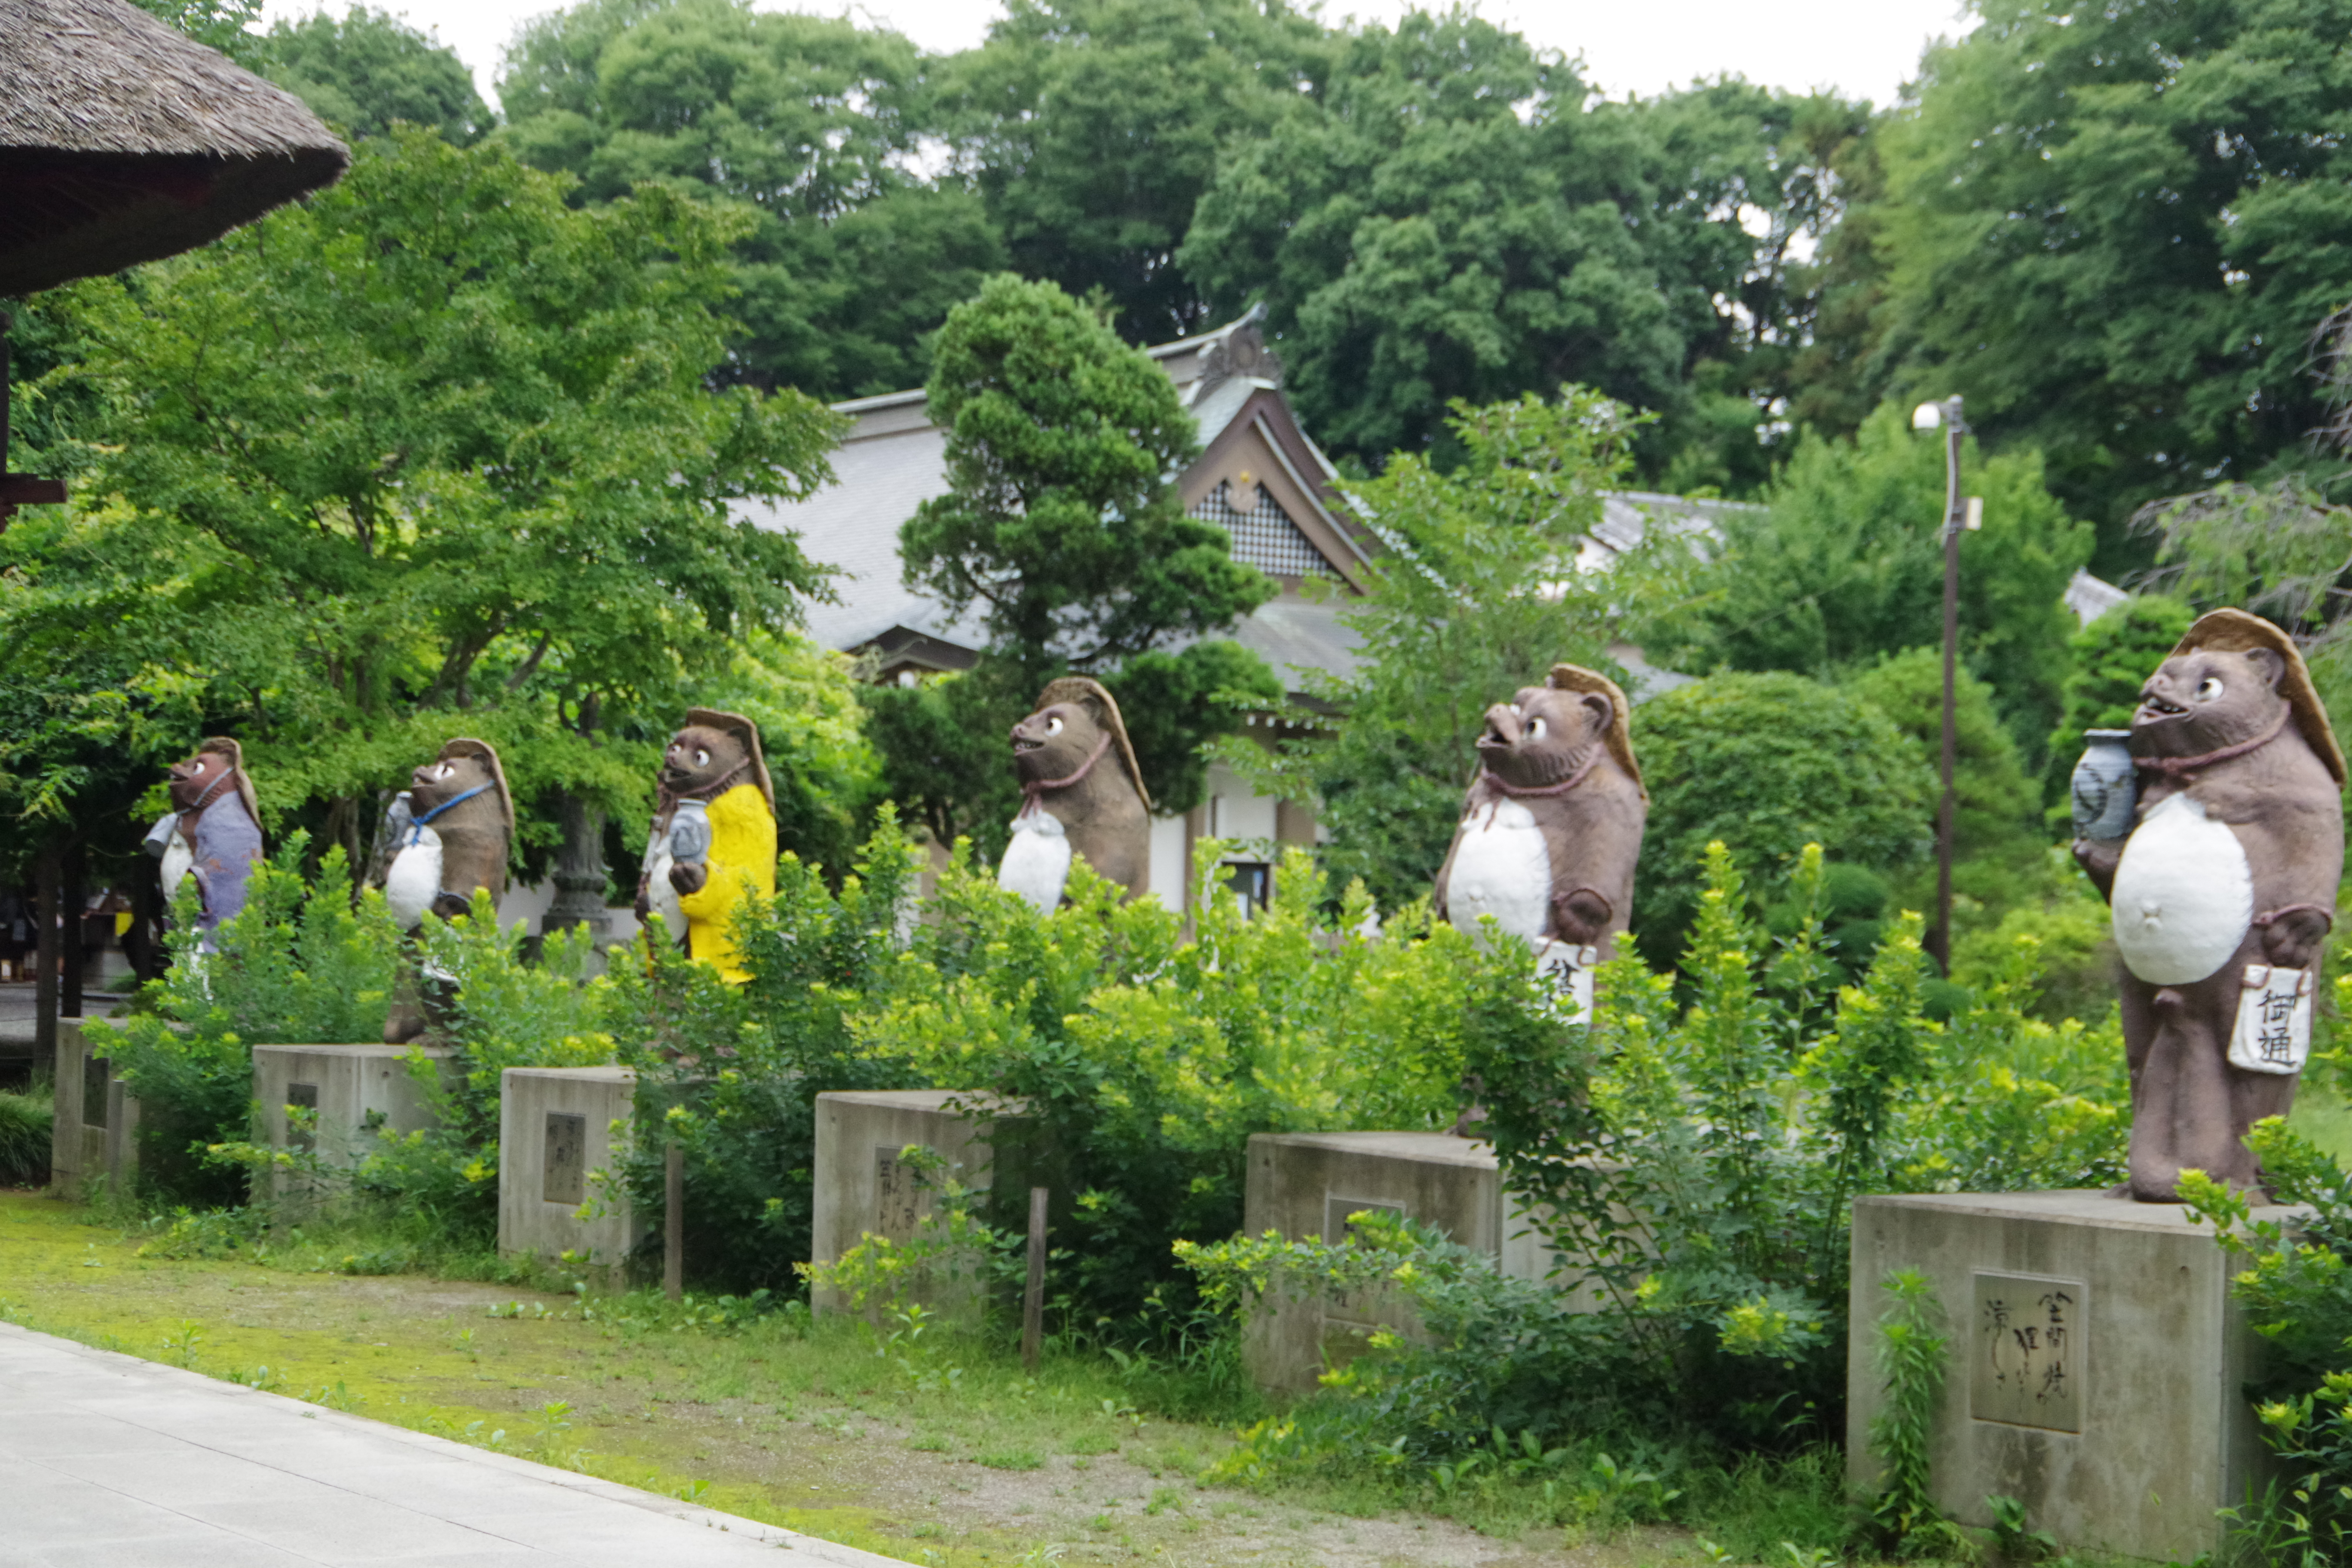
1580 917
690 877
2293 939
2098 857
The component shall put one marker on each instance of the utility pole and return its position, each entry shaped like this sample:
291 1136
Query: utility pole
1928 416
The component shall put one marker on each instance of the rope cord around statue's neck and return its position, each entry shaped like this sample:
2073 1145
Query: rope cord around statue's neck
416 823
1538 792
1030 791
203 801
670 797
2180 767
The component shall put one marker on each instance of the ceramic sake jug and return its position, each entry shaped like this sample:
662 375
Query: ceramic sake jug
2104 787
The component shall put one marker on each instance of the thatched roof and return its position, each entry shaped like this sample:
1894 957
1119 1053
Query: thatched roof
121 141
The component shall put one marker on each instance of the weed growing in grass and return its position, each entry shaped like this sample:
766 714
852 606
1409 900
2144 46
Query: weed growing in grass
1911 1358
25 1125
182 1347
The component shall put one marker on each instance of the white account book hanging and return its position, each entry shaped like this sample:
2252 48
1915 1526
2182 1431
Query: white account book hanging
2274 1032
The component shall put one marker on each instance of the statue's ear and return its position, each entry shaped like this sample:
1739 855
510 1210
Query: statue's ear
1604 713
2271 666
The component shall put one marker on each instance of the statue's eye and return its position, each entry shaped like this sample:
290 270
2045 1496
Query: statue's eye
1516 711
2209 689
446 769
702 758
1053 725
1534 728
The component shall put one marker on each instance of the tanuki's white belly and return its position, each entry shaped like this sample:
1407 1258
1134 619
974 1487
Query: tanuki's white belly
1037 863
1502 867
413 879
2183 895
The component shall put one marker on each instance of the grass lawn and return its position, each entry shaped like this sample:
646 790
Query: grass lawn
952 1457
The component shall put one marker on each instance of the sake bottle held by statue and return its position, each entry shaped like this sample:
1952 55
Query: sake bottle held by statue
2104 788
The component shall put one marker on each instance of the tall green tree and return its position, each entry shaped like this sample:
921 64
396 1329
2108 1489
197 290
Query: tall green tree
368 68
1093 126
1451 215
1843 564
813 124
1477 594
1062 531
2115 229
429 454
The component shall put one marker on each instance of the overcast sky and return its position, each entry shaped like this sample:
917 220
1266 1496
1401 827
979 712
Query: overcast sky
1866 47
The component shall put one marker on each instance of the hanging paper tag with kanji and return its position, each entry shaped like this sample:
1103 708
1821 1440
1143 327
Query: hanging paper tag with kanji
1570 970
2274 1032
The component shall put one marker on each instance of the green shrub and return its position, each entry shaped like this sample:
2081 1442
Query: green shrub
503 1014
301 964
1769 763
732 1074
2296 1290
1695 1163
2073 939
24 1127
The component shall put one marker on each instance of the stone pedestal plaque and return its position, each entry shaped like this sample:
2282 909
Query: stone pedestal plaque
2097 1366
1305 1185
2026 1352
355 1093
94 1134
560 1131
565 1179
866 1186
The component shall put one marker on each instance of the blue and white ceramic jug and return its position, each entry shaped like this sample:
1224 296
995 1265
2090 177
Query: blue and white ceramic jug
2104 787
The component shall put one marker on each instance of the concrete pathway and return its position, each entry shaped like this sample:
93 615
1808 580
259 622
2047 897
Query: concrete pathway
106 1461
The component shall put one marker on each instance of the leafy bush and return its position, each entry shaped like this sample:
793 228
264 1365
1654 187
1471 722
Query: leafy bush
1145 1060
2074 942
1692 1168
732 1074
2296 1290
504 1013
300 963
1769 763
1998 838
25 1120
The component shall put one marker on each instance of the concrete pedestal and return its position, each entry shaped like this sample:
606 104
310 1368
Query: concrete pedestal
1304 1185
557 1135
2097 1364
864 1188
357 1091
94 1139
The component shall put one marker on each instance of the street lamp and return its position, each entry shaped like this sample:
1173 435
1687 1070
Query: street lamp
1929 416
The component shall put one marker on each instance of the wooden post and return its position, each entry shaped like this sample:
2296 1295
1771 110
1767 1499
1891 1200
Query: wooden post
48 871
1032 1299
674 1224
73 961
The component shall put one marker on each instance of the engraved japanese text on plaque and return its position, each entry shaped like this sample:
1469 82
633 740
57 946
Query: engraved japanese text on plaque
565 1178
2027 1352
898 1197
